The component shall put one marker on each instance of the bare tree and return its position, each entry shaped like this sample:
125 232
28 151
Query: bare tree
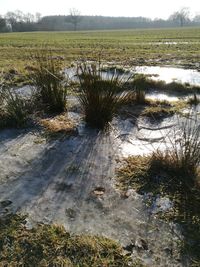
74 17
28 18
11 19
38 16
181 16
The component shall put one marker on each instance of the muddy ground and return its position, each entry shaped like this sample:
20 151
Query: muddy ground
71 181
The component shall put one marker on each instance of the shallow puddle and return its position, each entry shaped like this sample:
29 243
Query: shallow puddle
169 74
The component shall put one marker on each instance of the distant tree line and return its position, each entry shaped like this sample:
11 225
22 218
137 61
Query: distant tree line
20 22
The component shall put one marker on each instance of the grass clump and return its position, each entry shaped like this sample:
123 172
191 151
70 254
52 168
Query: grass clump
51 245
161 109
158 109
184 157
50 83
100 97
14 109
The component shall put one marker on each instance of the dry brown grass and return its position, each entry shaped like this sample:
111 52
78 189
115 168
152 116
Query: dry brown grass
58 124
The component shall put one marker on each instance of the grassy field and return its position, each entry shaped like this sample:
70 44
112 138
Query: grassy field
135 47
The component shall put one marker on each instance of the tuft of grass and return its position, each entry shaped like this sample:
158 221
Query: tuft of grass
51 245
14 109
160 109
100 97
49 81
183 157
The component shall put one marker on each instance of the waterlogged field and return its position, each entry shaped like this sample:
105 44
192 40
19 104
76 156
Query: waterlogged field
179 46
109 168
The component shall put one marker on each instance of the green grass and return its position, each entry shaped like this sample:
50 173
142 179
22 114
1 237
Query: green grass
137 47
51 245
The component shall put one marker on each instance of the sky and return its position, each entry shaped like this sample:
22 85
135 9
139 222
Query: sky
127 8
